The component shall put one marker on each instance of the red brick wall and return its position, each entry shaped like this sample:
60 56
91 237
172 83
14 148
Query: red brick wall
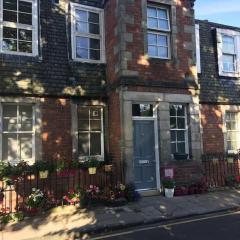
111 22
56 129
212 123
159 69
115 133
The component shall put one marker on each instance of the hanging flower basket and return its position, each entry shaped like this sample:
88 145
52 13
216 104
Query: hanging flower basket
92 170
43 174
108 168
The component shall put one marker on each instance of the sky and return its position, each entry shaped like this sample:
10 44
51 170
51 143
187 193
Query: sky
220 11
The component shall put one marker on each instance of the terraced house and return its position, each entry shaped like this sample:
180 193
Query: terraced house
112 79
219 75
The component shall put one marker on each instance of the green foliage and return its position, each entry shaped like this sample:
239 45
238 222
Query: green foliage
35 199
92 162
16 217
168 183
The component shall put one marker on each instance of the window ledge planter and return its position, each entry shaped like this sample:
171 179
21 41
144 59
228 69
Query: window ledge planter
92 170
108 168
43 174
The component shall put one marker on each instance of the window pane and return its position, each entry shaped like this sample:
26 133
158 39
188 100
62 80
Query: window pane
25 18
152 51
83 125
82 53
83 144
228 44
231 125
181 136
9 118
81 15
94 28
25 146
82 42
181 148
9 32
163 24
95 113
232 136
151 12
82 27
232 145
10 147
9 45
162 40
173 136
25 47
10 4
172 111
173 147
25 118
25 35
181 110
152 39
95 125
173 124
163 52
181 123
94 43
228 63
83 113
95 144
162 13
25 7
94 54
9 16
152 23
93 17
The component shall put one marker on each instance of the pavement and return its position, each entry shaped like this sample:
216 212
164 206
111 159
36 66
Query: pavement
69 222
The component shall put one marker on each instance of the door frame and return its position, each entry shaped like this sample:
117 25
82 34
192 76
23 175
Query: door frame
156 147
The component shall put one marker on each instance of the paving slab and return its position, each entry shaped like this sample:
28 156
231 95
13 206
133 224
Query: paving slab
68 222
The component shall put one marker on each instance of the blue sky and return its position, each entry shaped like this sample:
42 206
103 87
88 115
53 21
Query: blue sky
220 11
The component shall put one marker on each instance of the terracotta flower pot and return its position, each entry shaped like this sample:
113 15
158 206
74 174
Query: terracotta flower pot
92 170
108 168
43 174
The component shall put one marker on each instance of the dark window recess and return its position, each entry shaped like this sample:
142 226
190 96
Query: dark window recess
55 1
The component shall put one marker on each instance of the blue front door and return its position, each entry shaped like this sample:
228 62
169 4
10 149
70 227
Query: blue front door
144 154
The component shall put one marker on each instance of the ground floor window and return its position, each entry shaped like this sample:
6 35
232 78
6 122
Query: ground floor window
178 129
233 131
90 132
17 133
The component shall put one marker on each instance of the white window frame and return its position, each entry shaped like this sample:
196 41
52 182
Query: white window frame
232 151
74 34
33 28
33 132
198 52
162 32
99 157
236 36
186 130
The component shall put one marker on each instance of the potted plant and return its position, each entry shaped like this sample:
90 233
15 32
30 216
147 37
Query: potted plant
35 201
169 185
92 165
43 168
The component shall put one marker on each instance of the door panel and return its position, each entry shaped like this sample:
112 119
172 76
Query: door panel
144 154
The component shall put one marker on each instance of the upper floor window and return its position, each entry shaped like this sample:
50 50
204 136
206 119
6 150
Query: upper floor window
228 52
158 24
87 34
19 27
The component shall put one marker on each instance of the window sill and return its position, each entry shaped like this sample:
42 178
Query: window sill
88 61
